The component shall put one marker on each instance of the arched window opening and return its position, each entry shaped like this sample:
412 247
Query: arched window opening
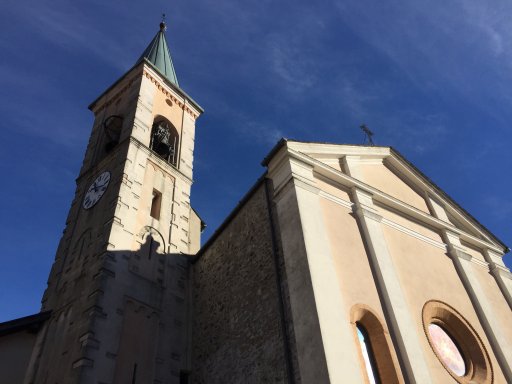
164 140
377 355
368 356
156 204
112 127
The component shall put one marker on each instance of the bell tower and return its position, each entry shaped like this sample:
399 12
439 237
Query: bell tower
118 288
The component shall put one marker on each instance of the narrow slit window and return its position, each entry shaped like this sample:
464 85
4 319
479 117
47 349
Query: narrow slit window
369 358
156 204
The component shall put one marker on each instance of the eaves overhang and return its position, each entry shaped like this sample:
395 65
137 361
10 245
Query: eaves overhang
283 149
140 63
448 198
30 323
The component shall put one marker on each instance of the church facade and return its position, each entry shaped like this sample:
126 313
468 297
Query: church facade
343 264
361 269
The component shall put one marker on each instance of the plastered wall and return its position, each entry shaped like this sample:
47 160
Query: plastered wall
426 273
380 177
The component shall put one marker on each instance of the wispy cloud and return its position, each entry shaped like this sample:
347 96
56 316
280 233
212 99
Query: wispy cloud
416 132
443 48
499 207
41 123
290 65
251 129
65 25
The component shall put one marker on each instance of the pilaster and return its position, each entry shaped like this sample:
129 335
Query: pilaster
462 261
490 322
387 281
501 273
316 300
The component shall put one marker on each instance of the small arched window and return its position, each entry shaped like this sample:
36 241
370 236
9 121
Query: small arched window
164 140
368 356
379 363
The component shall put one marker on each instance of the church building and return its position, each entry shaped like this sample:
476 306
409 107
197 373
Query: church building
343 264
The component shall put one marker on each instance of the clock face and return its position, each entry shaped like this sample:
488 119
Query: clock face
96 190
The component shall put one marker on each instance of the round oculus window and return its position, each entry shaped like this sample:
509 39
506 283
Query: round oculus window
447 350
456 344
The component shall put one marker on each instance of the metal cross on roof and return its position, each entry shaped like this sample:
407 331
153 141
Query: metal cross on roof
367 135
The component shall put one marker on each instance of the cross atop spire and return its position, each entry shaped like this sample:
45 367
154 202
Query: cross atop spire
158 54
163 26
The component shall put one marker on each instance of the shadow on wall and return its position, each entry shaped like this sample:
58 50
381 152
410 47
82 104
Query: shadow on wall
127 309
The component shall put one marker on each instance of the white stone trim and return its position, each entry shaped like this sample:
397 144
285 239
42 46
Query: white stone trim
338 345
337 200
388 284
316 151
502 275
349 182
392 224
480 263
334 325
490 322
399 166
414 234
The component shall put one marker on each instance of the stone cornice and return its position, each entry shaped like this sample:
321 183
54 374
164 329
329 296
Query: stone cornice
388 222
398 165
162 163
103 102
181 101
173 171
365 212
385 221
337 200
134 74
502 271
382 197
414 234
103 162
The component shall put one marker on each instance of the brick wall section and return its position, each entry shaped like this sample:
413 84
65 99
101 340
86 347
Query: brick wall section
237 334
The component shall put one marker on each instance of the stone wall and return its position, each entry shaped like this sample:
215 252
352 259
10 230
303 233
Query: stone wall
237 332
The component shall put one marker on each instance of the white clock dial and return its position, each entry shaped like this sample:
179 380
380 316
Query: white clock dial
96 190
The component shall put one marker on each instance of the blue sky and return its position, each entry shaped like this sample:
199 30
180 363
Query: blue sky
431 79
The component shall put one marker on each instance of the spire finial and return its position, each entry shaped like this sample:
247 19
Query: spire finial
163 26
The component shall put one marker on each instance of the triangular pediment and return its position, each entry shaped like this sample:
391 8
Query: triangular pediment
386 170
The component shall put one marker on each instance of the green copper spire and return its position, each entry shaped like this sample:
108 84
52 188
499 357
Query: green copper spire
157 53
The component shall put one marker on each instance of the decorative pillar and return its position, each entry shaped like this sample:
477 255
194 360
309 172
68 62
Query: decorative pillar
501 273
401 322
483 308
320 318
490 323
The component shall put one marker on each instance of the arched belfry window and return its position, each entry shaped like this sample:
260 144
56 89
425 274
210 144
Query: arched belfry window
112 127
368 356
165 140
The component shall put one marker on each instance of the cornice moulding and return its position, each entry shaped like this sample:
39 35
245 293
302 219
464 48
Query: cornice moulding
349 182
